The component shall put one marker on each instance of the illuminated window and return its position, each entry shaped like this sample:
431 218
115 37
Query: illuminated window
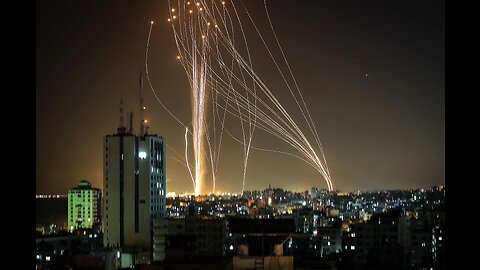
142 155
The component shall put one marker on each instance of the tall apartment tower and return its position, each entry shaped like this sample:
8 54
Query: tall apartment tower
84 205
134 186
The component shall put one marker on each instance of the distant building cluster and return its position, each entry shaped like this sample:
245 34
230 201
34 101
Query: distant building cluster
358 230
316 229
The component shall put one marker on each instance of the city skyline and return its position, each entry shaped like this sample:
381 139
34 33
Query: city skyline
372 74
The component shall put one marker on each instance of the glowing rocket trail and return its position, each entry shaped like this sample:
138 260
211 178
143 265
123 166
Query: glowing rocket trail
186 156
198 91
219 67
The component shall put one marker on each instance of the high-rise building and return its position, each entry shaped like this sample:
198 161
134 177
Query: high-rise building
134 186
84 206
134 178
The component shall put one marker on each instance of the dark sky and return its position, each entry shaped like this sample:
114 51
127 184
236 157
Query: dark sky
384 130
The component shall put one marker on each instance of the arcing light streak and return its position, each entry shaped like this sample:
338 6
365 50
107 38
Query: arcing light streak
205 37
309 121
148 77
292 127
186 157
163 105
198 91
185 38
194 58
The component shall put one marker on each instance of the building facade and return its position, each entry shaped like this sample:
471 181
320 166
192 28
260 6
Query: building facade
376 243
134 188
84 206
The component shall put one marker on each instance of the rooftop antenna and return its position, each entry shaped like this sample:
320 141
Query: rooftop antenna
142 108
121 113
131 122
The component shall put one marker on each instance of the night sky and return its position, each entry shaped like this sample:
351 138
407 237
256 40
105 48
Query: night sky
372 72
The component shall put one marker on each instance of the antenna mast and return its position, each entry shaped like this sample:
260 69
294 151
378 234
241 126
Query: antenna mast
121 113
131 122
142 108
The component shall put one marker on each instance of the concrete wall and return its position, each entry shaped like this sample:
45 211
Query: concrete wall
269 262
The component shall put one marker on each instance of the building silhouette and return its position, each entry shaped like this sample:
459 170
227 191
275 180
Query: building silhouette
134 189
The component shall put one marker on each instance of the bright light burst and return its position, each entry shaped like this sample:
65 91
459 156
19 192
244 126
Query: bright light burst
220 72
